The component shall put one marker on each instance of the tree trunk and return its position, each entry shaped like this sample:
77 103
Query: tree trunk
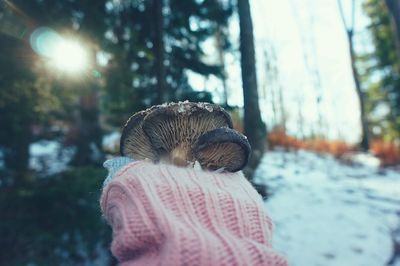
89 151
270 80
16 154
364 144
221 57
394 10
159 51
282 109
254 128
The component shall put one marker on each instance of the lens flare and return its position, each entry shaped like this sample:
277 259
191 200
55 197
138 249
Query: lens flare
65 55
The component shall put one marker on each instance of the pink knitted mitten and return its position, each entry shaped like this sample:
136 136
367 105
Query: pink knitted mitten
166 215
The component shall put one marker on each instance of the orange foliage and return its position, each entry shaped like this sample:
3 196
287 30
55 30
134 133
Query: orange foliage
388 152
280 138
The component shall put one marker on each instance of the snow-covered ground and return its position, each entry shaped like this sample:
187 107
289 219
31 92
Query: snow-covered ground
327 213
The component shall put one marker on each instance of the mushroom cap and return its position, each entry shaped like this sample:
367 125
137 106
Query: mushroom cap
134 142
222 148
174 128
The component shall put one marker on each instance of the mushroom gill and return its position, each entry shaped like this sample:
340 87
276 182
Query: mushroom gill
174 128
222 148
134 142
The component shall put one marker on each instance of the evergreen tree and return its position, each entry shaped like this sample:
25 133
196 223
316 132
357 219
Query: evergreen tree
393 7
383 62
22 68
153 50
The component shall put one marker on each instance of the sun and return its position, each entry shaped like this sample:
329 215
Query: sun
68 56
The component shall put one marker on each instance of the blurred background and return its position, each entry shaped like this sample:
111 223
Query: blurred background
315 85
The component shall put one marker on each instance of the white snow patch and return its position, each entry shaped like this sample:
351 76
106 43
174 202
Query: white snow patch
327 213
49 157
110 142
366 159
181 108
209 108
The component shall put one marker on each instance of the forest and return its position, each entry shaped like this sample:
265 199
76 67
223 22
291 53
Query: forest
314 85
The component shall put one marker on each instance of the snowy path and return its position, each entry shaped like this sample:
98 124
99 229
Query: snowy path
327 213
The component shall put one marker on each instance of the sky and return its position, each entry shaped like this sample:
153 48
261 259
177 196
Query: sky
312 59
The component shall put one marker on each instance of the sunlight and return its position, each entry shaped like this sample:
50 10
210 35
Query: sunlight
66 55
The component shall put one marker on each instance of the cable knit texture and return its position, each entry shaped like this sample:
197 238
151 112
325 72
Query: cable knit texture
165 215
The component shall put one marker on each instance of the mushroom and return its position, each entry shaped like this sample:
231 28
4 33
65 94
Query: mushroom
174 128
222 148
134 142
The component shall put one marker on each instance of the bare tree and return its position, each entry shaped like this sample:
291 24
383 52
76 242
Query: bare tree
300 116
307 37
273 85
364 144
282 108
269 85
254 127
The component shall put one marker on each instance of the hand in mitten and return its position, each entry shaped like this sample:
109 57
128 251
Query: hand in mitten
166 215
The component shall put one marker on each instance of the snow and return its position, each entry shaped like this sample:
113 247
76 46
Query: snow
325 212
110 142
49 157
366 159
328 213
